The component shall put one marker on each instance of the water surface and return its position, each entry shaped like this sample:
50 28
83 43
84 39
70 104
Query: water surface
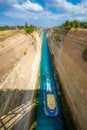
47 76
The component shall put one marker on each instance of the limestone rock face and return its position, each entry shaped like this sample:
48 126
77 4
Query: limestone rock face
72 71
19 65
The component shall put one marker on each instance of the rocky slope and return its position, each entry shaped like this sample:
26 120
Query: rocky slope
19 64
72 70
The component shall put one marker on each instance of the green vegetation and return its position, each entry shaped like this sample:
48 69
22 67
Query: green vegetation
73 24
29 29
20 27
2 28
84 53
33 127
38 79
57 38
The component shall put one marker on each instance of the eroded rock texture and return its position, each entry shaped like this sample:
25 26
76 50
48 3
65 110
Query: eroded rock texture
72 69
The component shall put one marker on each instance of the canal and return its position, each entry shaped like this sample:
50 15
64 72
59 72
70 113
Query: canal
46 71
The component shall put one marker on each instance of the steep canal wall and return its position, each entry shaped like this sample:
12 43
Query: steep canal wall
66 49
19 85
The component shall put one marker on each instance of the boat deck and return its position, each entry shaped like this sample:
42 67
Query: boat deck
51 104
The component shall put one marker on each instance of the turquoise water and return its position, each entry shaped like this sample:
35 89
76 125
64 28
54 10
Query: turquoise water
46 71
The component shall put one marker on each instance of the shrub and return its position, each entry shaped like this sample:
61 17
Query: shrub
29 29
84 53
57 38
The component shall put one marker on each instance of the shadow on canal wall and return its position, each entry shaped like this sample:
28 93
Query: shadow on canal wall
72 71
67 115
17 109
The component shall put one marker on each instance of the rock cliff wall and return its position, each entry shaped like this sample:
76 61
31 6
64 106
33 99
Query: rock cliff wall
20 57
72 70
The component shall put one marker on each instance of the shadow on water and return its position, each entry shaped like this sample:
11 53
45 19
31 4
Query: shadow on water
16 108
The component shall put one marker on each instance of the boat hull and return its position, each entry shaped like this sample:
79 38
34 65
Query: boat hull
48 111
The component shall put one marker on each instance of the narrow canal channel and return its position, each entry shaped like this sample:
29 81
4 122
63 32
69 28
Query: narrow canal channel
44 122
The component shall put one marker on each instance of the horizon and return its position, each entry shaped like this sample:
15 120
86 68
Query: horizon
41 13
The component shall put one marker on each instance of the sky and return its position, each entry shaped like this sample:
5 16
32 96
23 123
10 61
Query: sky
44 13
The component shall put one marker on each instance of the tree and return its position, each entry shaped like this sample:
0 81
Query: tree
67 24
73 24
30 29
77 23
26 24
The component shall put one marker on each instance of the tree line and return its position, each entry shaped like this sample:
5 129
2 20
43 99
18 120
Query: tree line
73 24
28 28
6 27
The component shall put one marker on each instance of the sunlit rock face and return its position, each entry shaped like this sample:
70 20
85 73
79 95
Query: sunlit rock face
72 70
19 65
